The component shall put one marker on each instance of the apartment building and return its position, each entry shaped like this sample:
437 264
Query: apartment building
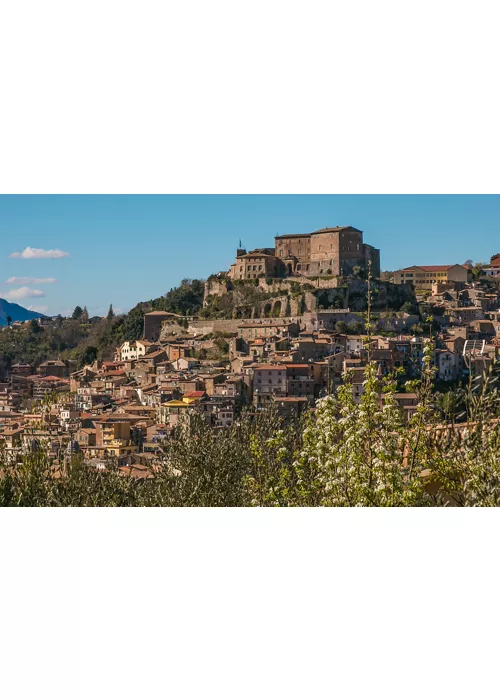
423 277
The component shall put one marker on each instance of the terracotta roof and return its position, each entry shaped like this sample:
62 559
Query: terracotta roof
293 235
430 268
269 367
333 229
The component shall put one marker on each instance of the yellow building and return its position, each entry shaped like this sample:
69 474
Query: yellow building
172 412
113 437
424 276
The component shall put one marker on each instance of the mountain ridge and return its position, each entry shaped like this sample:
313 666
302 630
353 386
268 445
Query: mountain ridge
16 312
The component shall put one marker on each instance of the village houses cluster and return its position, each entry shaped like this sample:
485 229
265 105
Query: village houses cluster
125 408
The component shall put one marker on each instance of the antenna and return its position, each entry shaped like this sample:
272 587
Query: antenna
473 348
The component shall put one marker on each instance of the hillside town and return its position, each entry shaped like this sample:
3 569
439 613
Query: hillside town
291 346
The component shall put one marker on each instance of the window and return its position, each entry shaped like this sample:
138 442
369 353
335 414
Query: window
281 251
299 251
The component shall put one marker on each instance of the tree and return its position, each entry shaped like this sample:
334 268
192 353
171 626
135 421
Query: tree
356 328
477 270
77 313
448 404
341 327
133 325
188 297
89 355
111 313
34 326
9 320
85 315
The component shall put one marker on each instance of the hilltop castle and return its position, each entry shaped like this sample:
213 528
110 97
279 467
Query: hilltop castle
329 251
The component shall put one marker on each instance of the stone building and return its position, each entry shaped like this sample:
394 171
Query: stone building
261 262
329 251
152 324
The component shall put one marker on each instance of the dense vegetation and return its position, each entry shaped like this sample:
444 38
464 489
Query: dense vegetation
344 454
81 339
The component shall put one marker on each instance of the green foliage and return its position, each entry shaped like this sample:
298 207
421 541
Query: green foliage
185 300
79 338
356 328
77 313
477 270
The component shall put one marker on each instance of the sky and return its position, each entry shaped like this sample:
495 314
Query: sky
57 251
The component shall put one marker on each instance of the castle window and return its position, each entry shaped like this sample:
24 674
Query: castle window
357 247
321 247
281 251
299 251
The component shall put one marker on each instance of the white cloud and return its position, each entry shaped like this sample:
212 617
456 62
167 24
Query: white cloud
23 293
39 309
31 280
29 253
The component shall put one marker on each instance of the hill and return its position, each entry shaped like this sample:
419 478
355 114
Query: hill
16 312
80 341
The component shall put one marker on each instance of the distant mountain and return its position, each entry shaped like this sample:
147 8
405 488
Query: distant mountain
16 312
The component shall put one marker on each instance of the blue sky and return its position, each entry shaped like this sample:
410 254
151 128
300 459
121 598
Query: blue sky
123 249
